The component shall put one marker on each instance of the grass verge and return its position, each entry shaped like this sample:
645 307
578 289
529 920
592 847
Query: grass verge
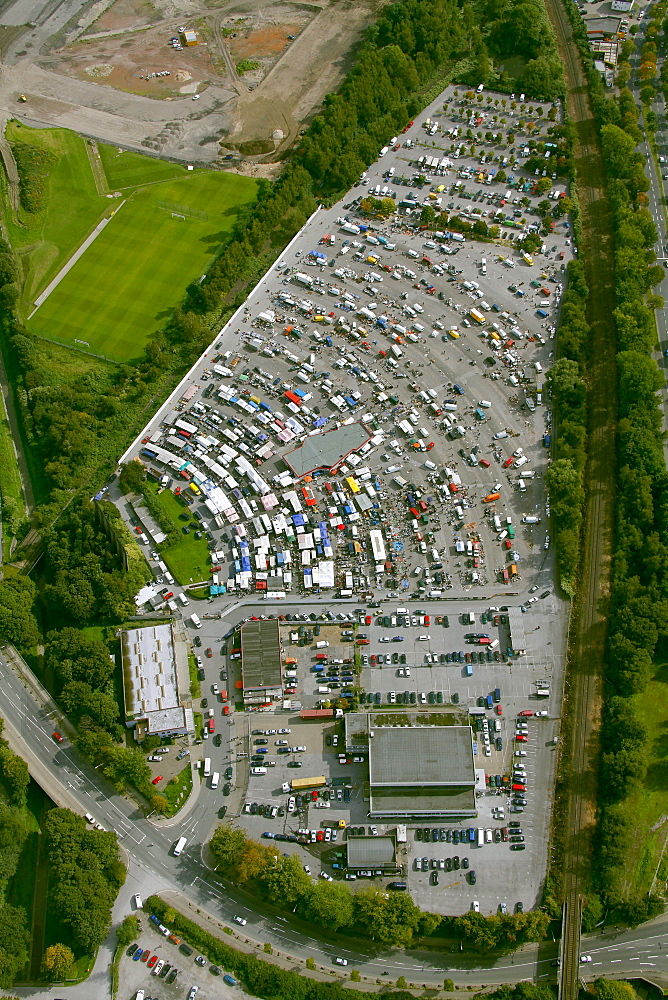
647 807
43 241
14 512
195 686
177 790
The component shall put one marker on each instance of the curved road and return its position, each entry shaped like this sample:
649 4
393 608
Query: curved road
74 783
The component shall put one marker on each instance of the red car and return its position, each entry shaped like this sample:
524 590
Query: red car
157 779
211 725
368 619
208 651
314 796
519 788
427 620
521 738
362 642
525 714
498 709
167 596
144 956
320 836
152 960
484 462
57 737
508 461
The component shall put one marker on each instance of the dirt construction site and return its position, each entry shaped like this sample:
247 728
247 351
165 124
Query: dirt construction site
195 84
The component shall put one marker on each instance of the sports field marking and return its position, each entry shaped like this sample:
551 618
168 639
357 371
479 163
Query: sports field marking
72 261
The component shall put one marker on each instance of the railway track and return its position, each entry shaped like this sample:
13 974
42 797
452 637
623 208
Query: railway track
588 623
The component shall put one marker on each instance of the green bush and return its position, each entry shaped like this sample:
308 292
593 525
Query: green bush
34 166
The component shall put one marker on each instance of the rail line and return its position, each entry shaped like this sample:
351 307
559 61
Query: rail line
589 620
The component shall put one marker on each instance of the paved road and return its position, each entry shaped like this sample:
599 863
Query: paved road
74 783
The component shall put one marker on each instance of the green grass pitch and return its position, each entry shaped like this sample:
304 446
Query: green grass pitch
127 282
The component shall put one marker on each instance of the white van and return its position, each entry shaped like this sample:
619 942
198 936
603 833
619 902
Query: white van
179 845
430 465
195 620
258 770
215 779
322 644
485 403
184 600
470 617
207 767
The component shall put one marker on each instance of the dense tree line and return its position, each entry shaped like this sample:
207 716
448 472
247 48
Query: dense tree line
86 579
638 620
568 387
14 932
85 874
392 919
266 980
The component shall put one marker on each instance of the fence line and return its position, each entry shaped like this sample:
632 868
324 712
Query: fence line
193 213
51 339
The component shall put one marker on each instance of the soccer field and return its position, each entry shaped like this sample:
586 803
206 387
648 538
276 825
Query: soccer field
123 288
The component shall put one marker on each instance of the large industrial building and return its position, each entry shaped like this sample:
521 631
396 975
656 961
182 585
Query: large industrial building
416 772
156 682
261 665
419 772
327 451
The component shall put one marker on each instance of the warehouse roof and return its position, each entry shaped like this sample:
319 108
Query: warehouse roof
260 654
426 757
326 451
369 852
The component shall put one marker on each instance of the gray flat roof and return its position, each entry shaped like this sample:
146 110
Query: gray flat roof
327 450
260 655
518 640
368 852
415 802
427 758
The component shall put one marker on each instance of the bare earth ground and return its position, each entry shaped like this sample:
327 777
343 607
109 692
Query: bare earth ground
89 68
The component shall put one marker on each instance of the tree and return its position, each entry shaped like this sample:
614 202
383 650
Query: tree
329 905
611 989
57 961
285 880
17 621
128 930
401 982
227 845
15 774
448 985
131 479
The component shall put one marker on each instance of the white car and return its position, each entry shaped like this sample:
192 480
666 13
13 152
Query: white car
532 600
285 730
307 869
281 743
192 994
520 753
475 906
341 961
585 958
215 689
195 98
384 638
137 901
158 968
424 638
291 804
327 878
541 714
240 920
299 749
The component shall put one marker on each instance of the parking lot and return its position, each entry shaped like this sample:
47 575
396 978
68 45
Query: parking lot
430 348
138 967
437 345
519 750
